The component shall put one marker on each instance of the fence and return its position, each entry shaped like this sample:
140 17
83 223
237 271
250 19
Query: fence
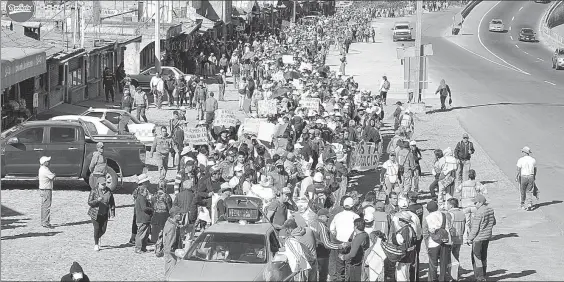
471 5
552 37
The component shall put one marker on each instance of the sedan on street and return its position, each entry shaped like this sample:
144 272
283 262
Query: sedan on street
496 25
527 34
558 59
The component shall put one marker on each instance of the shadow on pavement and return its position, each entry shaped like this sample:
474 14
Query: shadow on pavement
73 223
494 104
121 246
503 236
554 202
61 185
7 212
31 234
503 275
488 182
13 223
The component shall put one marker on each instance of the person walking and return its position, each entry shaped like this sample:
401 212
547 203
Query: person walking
158 88
463 152
102 206
201 93
480 236
141 105
177 137
389 174
457 234
171 238
526 176
163 146
406 238
417 157
467 191
444 91
222 81
236 73
46 178
142 184
223 63
342 227
98 166
343 64
143 213
109 81
161 203
210 107
384 88
354 259
127 101
170 87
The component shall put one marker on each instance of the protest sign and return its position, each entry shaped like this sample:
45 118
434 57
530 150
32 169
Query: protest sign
251 125
288 59
266 131
365 157
196 136
280 129
310 103
225 118
267 107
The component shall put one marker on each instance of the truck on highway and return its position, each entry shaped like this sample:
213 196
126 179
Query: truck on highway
402 31
70 144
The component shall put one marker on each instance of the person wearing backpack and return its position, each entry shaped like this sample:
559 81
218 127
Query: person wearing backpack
161 202
384 88
437 242
406 238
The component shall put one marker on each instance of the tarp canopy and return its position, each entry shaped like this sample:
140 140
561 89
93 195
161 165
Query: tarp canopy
19 64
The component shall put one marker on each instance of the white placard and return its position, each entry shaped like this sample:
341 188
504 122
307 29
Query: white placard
310 103
365 157
288 59
251 125
267 107
266 131
225 118
196 136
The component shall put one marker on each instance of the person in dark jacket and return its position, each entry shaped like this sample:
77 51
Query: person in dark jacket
76 274
444 91
143 213
109 80
171 238
142 184
354 259
169 87
127 101
185 201
102 206
161 203
463 152
480 236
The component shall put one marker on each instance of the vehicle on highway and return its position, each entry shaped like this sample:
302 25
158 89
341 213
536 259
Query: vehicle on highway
144 132
558 59
402 31
238 249
70 144
496 25
102 126
527 34
143 79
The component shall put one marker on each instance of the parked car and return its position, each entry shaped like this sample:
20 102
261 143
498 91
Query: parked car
143 79
102 126
145 132
71 145
402 31
496 25
558 59
527 34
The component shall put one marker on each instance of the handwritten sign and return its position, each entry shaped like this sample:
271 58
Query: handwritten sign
225 118
288 59
251 125
365 157
267 107
196 136
266 131
310 103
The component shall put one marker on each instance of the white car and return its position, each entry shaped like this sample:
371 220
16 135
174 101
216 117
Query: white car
101 126
496 25
145 132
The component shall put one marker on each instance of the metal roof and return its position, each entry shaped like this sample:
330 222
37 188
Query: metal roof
11 38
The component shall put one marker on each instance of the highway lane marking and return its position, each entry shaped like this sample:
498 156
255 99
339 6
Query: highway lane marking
493 62
516 46
540 59
511 36
509 28
520 9
550 83
513 18
525 52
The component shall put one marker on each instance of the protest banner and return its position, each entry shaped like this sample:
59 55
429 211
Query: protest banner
288 59
267 107
310 103
224 118
251 125
196 136
266 131
365 157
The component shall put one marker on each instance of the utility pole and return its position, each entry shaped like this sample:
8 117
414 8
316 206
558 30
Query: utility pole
157 35
74 24
82 26
419 50
294 12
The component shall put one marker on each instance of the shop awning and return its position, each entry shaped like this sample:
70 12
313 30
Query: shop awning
19 64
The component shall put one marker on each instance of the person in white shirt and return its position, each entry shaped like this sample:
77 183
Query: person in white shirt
342 228
437 252
526 175
390 170
46 178
157 87
384 88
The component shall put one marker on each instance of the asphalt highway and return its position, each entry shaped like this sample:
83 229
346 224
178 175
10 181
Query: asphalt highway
506 92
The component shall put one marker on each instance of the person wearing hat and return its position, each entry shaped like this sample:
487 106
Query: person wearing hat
46 178
354 259
277 210
98 166
141 104
171 237
398 115
318 191
390 174
227 165
162 145
143 214
463 152
406 238
342 228
406 166
526 177
102 206
437 251
176 126
407 123
306 238
384 88
458 218
127 101
480 236
279 175
161 203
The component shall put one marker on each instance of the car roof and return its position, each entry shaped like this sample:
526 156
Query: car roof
401 23
527 28
75 117
49 123
100 110
497 20
249 228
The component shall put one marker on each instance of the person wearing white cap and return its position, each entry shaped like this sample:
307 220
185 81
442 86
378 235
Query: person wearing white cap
342 227
526 176
46 178
407 123
98 166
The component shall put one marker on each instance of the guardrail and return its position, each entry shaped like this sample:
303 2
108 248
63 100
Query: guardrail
548 33
466 11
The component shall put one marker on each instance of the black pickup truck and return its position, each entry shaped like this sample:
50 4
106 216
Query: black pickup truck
70 145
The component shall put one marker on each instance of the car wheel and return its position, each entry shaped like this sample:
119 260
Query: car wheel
112 178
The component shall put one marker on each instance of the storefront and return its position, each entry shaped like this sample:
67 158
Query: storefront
22 76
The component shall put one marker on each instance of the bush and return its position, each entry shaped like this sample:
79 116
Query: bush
556 18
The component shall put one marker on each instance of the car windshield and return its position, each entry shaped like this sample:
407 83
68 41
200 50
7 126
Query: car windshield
496 22
402 27
90 127
527 31
230 248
